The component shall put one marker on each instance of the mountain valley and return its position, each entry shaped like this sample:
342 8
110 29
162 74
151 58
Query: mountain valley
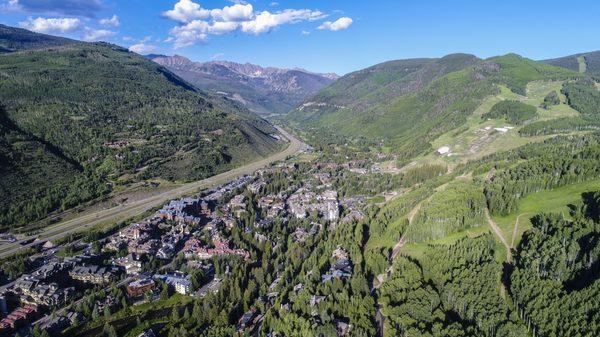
157 196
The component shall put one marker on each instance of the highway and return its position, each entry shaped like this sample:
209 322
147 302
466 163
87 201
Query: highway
118 213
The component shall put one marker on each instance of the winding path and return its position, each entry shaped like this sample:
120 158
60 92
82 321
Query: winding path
86 221
498 233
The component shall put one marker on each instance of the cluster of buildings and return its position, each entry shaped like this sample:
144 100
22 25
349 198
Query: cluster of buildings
196 227
303 201
94 274
48 287
341 267
18 318
193 248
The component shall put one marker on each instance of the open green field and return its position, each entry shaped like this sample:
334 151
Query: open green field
555 200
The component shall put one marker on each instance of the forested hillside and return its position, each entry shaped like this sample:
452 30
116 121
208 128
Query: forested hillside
110 116
411 111
585 62
16 39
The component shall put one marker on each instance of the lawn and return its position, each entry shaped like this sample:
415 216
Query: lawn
555 200
305 158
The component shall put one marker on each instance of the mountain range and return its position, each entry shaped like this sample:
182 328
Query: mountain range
264 90
442 197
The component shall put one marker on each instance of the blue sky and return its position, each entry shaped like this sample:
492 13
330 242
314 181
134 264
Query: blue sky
326 36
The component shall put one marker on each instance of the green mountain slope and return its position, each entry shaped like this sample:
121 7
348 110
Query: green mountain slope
408 120
113 114
15 39
384 81
585 62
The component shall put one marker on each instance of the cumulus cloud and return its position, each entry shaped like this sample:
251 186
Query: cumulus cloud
339 24
237 12
97 34
197 23
266 21
305 32
87 8
142 48
112 21
186 11
52 25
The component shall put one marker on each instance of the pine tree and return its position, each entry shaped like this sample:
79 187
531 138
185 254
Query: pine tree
175 314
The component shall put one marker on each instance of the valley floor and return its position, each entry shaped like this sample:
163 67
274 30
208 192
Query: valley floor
87 220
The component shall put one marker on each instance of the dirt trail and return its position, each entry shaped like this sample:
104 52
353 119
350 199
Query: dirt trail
402 241
515 230
498 233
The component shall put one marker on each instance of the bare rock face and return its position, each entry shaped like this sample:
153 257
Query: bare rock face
265 90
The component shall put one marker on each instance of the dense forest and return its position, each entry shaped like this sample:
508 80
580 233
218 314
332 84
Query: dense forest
514 112
461 205
452 291
555 282
557 162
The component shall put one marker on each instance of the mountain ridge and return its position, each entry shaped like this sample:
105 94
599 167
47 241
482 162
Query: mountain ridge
18 39
264 90
115 118
586 62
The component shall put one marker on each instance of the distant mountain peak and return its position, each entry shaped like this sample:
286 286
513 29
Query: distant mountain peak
264 90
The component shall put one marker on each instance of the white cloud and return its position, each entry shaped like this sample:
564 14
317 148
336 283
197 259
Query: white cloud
52 25
217 56
190 33
97 34
339 24
220 28
186 11
266 21
237 12
305 32
127 38
112 21
274 4
197 23
142 48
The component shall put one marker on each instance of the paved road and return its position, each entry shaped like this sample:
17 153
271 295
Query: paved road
124 212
